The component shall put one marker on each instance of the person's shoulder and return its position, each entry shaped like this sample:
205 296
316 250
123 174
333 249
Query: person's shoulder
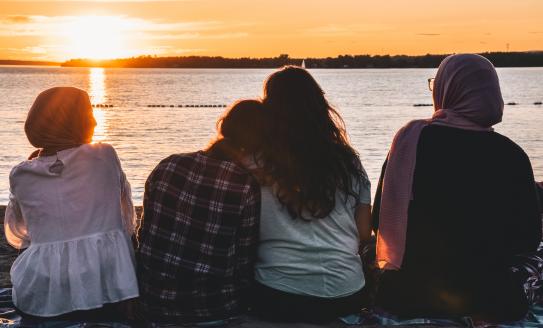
240 172
22 166
217 163
176 158
508 147
99 148
173 161
99 155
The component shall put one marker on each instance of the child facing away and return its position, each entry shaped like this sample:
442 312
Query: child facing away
71 208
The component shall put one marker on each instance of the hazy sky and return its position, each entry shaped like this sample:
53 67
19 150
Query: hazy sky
59 30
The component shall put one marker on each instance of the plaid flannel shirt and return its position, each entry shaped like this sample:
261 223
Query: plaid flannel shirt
197 239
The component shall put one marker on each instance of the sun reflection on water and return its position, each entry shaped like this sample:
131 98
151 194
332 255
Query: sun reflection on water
97 93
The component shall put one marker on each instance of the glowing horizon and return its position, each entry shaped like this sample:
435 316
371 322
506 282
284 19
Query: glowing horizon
63 30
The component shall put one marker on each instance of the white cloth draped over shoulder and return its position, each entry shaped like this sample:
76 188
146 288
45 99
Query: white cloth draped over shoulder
76 225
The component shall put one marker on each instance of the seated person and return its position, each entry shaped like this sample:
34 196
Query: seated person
455 205
315 207
70 207
198 237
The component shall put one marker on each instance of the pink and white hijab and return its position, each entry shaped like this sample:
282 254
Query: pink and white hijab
466 96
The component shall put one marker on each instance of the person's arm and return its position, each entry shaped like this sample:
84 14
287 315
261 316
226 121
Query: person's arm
147 213
363 222
15 225
362 213
525 218
247 240
128 211
540 193
377 200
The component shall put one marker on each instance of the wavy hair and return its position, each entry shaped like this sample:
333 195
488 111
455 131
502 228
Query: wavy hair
307 158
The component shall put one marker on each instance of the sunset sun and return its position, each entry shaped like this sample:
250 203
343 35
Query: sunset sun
97 37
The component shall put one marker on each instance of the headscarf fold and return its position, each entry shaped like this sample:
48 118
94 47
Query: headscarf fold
60 118
466 96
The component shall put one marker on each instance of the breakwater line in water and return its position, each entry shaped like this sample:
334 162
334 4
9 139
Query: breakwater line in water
510 103
191 106
169 106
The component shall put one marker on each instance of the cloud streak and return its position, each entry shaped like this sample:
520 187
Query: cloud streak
44 26
63 37
17 19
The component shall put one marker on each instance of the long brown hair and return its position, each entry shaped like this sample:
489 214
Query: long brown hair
307 157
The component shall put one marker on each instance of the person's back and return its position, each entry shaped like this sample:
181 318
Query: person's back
312 258
465 226
315 207
487 188
455 205
90 183
71 208
197 241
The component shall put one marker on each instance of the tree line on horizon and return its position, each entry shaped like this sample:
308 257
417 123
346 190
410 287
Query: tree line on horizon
499 59
27 62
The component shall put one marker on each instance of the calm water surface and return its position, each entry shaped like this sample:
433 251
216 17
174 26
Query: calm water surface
373 102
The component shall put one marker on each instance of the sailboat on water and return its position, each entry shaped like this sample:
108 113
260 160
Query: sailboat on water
303 63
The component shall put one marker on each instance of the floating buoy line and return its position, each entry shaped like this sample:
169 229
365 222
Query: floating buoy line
511 103
170 106
191 106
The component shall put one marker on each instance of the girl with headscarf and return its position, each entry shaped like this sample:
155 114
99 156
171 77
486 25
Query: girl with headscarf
70 207
456 202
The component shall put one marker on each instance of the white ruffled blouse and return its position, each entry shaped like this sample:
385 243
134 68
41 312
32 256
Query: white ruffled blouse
73 213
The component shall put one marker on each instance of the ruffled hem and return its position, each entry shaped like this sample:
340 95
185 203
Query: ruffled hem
51 279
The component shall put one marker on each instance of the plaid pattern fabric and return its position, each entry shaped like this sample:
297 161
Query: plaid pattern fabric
197 239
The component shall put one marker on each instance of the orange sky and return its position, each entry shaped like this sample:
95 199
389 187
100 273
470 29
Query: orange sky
59 30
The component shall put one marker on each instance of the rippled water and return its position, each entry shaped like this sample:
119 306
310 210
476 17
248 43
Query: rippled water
373 102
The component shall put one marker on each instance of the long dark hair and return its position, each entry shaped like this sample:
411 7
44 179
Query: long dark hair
307 158
240 131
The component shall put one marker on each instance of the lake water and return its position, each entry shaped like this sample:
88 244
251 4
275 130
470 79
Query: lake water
374 104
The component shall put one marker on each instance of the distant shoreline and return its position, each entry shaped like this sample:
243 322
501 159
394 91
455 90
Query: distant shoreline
8 62
499 59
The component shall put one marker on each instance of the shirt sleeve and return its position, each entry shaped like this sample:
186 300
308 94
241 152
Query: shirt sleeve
148 201
525 217
247 238
376 209
128 211
15 225
540 194
364 187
